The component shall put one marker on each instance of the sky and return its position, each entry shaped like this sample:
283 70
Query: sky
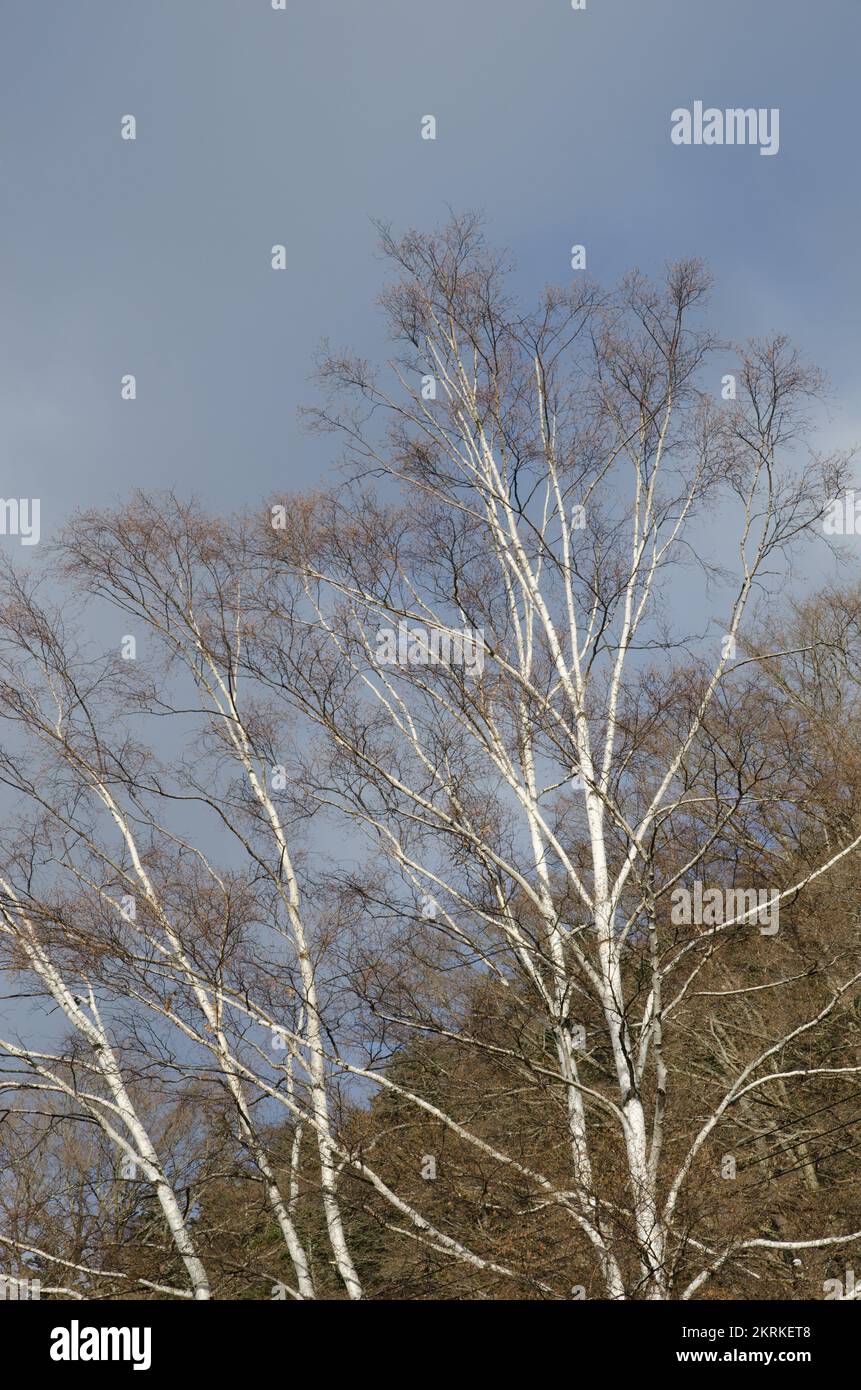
299 126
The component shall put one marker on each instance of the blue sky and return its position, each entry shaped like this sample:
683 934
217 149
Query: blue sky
256 126
299 127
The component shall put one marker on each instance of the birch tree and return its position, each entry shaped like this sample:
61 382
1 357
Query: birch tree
475 771
541 479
